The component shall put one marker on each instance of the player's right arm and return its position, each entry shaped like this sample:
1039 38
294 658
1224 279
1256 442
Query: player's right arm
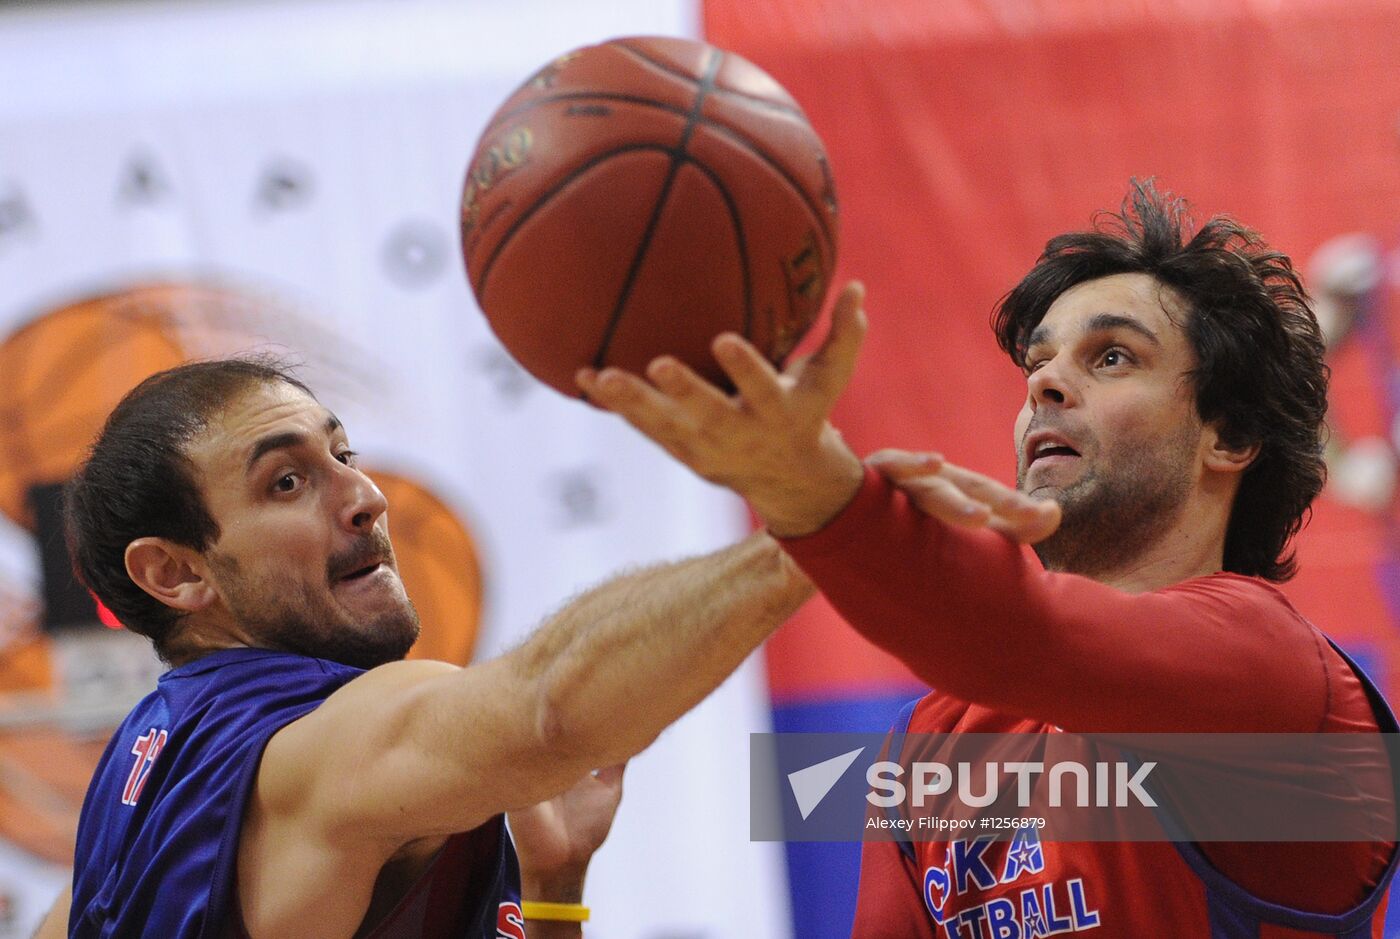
414 750
942 590
970 613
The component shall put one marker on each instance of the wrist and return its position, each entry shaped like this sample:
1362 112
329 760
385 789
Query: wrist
554 921
562 886
814 493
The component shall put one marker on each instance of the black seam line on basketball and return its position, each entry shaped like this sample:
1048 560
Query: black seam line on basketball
741 139
677 160
719 89
748 144
609 96
762 102
657 64
529 212
738 222
583 95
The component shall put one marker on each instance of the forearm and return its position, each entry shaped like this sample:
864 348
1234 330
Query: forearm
620 663
591 687
976 618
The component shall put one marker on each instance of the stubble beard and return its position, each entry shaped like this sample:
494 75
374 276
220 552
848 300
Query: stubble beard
1111 519
284 616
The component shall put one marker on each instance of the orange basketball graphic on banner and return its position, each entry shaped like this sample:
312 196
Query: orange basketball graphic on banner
439 566
63 372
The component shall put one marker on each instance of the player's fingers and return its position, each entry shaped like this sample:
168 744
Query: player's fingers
616 390
1031 528
896 465
1002 498
677 380
754 377
641 405
795 364
938 497
831 367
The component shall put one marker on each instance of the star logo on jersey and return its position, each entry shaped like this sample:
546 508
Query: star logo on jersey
1025 856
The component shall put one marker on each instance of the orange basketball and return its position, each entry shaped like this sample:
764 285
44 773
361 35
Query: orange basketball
639 197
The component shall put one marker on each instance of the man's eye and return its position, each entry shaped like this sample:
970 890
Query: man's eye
287 483
348 457
1114 357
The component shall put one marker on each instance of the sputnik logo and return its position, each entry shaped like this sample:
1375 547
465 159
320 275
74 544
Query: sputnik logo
811 785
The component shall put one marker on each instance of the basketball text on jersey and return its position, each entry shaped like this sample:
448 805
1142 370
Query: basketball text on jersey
1039 909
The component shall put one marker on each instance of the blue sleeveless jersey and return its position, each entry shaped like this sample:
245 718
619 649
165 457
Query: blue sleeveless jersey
158 836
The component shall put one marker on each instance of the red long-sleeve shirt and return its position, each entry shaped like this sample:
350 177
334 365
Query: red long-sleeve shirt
1010 646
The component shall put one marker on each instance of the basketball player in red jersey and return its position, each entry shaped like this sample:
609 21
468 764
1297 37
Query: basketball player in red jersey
1167 450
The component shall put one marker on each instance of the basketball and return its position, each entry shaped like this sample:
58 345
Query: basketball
639 197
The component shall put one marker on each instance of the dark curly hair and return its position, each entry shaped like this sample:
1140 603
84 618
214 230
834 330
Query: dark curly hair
137 482
1259 372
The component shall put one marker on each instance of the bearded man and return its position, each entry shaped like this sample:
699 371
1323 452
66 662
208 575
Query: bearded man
292 774
1167 450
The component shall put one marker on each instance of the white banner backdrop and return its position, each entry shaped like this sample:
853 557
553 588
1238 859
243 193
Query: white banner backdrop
313 153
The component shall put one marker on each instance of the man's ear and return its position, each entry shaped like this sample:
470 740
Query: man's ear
170 572
1224 457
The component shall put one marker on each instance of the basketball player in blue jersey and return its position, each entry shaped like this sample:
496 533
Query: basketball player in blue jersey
292 776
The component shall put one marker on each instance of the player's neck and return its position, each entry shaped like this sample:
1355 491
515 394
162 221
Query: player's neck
197 638
1193 546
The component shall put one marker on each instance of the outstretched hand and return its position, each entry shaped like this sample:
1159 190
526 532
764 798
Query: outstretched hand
556 839
959 496
771 442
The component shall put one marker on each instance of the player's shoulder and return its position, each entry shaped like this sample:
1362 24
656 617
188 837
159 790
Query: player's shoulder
369 696
1226 584
1239 598
1350 700
393 677
373 692
939 713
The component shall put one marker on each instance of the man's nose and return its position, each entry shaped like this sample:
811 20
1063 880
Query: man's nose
364 503
1049 384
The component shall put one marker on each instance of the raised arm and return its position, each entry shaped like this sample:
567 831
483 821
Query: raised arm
970 612
417 749
947 588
